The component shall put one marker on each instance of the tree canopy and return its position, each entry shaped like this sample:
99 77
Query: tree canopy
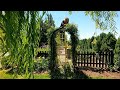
103 42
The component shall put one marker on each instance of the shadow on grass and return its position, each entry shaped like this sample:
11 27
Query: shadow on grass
80 75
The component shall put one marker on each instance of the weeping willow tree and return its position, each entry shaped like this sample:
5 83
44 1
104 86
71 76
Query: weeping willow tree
21 39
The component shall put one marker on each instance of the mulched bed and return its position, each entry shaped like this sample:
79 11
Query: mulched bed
100 73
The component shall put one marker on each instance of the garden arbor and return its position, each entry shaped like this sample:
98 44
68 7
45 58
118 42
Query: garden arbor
53 64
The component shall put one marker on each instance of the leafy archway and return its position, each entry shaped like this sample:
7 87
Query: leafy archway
53 64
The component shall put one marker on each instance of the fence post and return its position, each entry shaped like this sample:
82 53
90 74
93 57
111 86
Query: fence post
93 59
78 58
84 57
81 59
103 62
106 59
112 58
87 58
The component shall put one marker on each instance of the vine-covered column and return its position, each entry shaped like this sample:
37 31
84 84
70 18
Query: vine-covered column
53 65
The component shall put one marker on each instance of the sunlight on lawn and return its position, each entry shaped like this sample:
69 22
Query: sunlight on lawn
4 75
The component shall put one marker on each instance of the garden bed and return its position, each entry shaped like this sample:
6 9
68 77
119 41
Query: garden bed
101 74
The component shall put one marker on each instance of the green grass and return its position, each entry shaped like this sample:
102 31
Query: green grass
43 49
42 76
5 75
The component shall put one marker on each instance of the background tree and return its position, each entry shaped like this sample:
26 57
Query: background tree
98 44
93 43
111 41
117 54
101 43
46 27
108 41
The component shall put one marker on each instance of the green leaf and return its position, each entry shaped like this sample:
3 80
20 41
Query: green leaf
70 12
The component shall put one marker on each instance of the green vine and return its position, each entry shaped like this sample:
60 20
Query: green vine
53 64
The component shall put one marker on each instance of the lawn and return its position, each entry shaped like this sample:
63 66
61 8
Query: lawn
5 75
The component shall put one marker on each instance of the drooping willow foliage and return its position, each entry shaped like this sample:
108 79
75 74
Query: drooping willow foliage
53 65
104 20
21 30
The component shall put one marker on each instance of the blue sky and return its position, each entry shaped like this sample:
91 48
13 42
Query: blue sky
86 26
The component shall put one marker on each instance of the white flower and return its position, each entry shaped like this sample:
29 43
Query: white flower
43 57
7 54
3 12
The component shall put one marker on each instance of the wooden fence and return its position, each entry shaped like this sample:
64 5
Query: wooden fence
85 59
100 60
43 54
